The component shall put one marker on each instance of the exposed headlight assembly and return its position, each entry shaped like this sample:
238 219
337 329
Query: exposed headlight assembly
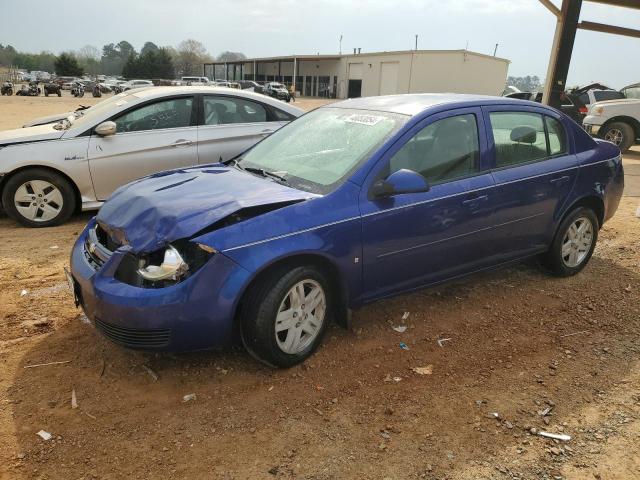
172 267
165 267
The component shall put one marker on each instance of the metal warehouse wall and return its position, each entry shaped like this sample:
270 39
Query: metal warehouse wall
427 71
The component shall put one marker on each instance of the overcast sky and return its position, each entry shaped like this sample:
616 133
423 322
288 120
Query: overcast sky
522 28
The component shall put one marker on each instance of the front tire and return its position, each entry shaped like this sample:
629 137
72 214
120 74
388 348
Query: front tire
573 244
38 198
621 134
285 315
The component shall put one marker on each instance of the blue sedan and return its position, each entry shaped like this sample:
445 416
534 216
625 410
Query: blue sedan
353 202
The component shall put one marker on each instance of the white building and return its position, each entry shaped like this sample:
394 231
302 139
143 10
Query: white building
369 74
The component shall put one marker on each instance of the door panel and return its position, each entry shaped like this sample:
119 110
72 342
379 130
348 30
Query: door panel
123 157
419 238
222 142
530 191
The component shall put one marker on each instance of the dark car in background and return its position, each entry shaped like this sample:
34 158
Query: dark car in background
571 106
277 90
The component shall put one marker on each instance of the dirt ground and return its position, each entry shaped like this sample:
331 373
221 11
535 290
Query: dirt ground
519 352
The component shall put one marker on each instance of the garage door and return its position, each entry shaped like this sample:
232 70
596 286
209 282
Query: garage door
388 78
355 71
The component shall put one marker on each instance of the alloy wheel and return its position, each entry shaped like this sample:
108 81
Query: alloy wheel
300 316
577 242
614 135
38 200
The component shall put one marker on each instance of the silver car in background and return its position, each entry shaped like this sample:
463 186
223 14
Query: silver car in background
47 172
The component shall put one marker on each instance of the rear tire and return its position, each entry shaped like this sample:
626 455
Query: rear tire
285 315
573 244
51 198
620 133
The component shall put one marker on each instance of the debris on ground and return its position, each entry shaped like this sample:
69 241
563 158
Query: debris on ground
428 370
153 374
188 397
54 247
575 333
74 400
545 412
638 211
23 293
46 364
400 328
405 315
441 341
404 346
555 436
44 435
495 415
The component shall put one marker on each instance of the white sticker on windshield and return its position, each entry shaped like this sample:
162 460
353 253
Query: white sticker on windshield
363 119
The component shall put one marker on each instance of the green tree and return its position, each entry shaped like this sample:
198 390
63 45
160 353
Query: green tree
165 67
149 47
67 65
114 57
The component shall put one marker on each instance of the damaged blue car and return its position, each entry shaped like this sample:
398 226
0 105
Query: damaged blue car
353 202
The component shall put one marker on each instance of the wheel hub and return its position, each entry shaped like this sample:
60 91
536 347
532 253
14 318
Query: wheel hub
38 200
300 316
577 242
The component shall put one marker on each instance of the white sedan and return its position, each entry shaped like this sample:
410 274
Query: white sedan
48 172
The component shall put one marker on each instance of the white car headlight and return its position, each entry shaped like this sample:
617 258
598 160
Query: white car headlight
172 267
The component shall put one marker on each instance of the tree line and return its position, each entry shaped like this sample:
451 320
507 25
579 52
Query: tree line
119 58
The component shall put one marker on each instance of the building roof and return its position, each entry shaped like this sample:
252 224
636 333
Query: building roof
290 58
415 103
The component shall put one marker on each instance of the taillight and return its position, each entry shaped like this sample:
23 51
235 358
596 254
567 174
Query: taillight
583 110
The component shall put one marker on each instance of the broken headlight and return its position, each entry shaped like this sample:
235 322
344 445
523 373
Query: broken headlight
164 267
172 267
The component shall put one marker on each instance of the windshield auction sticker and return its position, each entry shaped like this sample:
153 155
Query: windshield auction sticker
363 119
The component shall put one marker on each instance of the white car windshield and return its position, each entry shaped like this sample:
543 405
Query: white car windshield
319 150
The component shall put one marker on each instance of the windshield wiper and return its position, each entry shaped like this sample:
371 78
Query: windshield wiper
263 172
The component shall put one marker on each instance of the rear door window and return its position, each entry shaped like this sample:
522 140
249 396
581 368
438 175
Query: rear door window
230 110
524 137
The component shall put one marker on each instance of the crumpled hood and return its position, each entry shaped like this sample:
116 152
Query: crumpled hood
30 134
167 206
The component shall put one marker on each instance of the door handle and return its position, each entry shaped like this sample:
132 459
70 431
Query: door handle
560 180
475 200
181 143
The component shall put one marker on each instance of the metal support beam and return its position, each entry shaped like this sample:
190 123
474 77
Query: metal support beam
601 27
551 7
565 35
295 72
619 3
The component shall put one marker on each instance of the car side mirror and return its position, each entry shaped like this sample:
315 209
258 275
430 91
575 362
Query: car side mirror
402 181
106 128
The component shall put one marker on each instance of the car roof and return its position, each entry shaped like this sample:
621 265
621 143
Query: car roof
414 103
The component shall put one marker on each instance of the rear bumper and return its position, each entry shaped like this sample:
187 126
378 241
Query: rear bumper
195 314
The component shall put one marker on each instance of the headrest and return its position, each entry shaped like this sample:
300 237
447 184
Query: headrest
524 134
